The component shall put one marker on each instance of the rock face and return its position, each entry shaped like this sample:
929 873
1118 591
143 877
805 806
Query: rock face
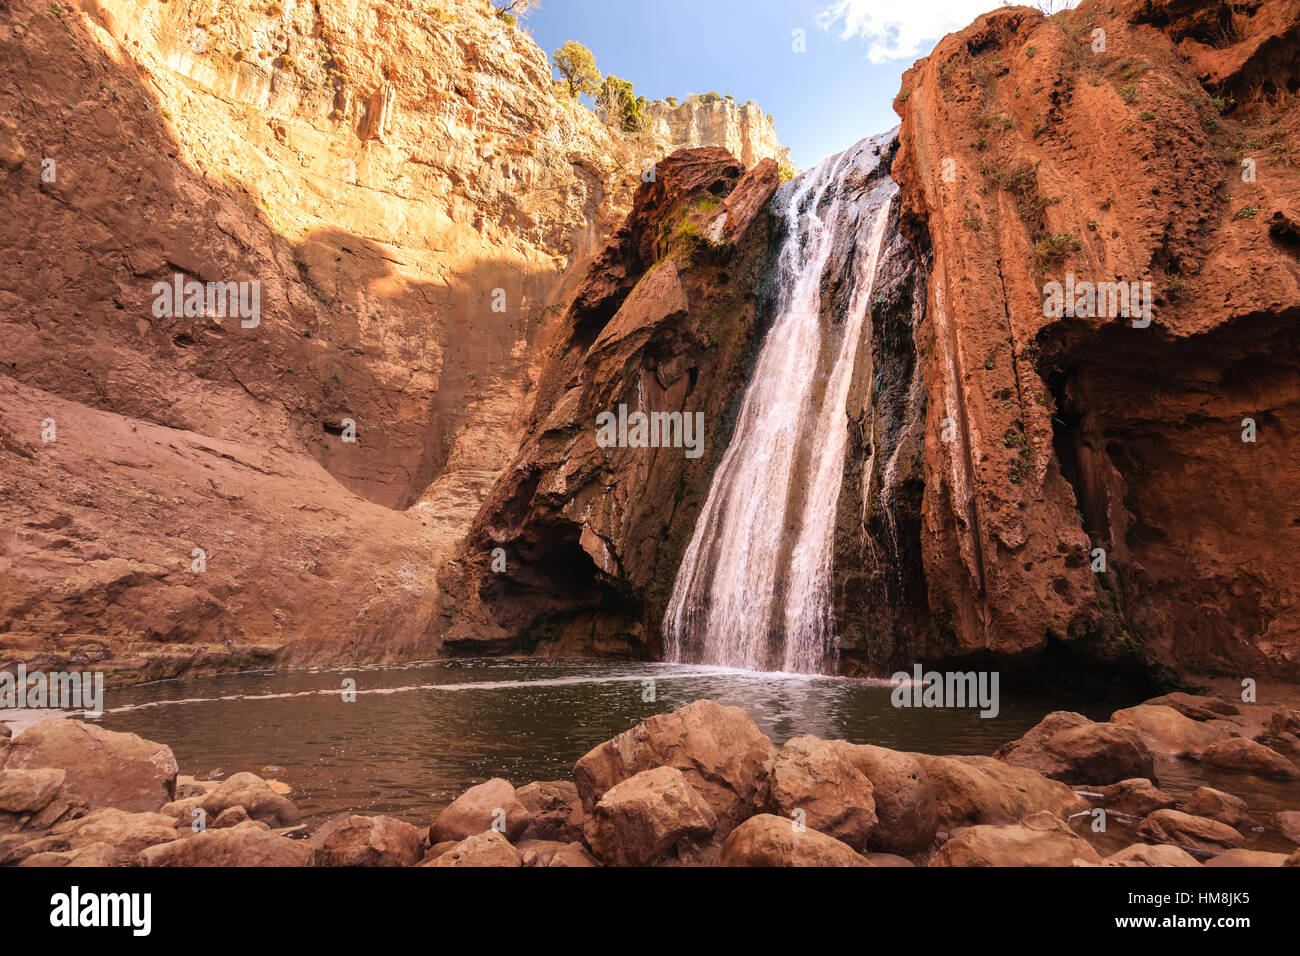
413 206
719 750
102 768
593 524
1076 433
639 820
1069 747
741 129
767 840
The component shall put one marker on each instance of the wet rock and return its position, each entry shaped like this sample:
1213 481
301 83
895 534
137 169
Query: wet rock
1147 854
1189 832
245 845
104 768
1041 839
719 749
490 805
640 820
573 854
1217 805
1166 730
816 777
555 810
1288 822
1195 706
970 791
1136 797
1069 747
1239 755
768 840
251 792
354 840
488 848
1242 857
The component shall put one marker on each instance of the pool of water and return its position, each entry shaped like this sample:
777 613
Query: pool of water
416 736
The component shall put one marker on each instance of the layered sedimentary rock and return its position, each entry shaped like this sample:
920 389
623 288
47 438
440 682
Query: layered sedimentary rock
398 192
742 129
1120 142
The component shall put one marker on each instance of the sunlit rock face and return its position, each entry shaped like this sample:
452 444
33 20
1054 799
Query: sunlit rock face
741 128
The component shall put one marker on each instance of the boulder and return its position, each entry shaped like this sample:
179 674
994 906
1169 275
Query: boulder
245 845
1217 805
907 813
1147 854
768 840
437 850
1069 747
573 854
888 859
1240 857
1238 755
251 792
1042 839
91 855
229 817
1136 797
488 848
1194 706
538 852
1200 834
815 777
104 768
720 750
555 810
354 840
1288 822
970 791
1167 731
182 811
128 832
641 819
487 806
25 793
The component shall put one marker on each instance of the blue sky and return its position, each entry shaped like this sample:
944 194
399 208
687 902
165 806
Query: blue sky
823 100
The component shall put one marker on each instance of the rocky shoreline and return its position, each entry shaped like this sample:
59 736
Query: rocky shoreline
701 786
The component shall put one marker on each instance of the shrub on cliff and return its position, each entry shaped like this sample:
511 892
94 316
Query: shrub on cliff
577 65
620 106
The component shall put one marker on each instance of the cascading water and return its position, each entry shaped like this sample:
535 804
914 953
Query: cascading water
754 587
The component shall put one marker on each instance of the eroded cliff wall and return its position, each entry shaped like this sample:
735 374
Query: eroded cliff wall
1120 142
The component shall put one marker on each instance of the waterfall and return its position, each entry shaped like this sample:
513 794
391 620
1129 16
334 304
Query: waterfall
754 587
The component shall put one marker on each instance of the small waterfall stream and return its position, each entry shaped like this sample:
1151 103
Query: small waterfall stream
754 587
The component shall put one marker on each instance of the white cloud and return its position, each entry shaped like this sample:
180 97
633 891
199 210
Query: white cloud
904 29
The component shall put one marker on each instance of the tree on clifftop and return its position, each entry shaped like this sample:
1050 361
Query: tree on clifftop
577 65
620 106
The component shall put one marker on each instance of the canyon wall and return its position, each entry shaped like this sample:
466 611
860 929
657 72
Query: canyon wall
741 128
1127 142
415 207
